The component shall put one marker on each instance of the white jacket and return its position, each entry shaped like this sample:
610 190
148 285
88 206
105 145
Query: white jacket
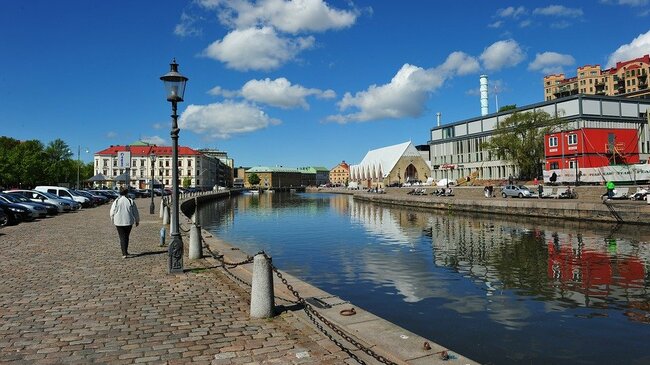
124 212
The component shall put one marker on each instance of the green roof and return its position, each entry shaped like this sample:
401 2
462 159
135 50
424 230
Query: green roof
272 169
313 169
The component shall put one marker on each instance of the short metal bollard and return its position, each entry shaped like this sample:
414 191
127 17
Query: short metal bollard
262 297
162 236
196 251
162 207
165 215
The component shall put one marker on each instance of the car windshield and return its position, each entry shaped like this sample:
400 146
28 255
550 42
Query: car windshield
75 193
521 187
10 198
49 195
19 198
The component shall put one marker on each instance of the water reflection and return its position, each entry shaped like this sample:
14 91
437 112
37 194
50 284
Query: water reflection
504 290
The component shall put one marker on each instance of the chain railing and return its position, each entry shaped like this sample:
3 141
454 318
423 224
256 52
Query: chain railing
313 314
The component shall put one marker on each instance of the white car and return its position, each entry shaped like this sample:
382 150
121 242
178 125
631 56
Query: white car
65 193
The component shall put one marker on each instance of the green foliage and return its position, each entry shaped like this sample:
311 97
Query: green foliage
520 140
508 107
253 179
30 163
187 182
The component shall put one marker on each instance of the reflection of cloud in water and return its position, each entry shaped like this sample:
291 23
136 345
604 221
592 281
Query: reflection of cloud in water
411 273
380 222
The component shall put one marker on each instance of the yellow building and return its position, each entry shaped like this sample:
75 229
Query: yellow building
627 79
340 174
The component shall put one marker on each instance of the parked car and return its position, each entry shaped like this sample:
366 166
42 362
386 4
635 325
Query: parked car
109 194
519 191
50 208
36 210
63 205
96 199
15 213
3 218
66 194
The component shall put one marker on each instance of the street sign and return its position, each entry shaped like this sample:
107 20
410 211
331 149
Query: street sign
124 160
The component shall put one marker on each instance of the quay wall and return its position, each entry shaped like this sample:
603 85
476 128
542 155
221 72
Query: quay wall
587 207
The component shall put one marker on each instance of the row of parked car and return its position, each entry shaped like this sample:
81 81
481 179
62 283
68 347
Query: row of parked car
20 205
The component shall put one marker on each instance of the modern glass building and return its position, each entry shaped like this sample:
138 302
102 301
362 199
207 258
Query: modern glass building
456 152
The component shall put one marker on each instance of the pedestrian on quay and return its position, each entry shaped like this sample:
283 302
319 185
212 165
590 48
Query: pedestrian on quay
124 213
610 191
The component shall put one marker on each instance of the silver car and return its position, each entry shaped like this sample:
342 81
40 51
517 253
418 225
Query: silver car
519 191
63 205
36 210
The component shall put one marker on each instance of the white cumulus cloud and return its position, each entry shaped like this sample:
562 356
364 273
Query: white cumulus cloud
187 27
222 120
281 93
293 16
405 95
256 49
511 12
502 54
559 11
157 140
551 62
639 46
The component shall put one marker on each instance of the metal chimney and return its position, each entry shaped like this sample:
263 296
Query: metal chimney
438 116
484 94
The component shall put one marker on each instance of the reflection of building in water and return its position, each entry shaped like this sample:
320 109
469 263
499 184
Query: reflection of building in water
341 204
585 270
591 271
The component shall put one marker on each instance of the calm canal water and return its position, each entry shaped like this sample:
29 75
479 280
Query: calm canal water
500 291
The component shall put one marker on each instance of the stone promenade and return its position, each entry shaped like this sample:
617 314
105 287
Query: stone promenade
68 296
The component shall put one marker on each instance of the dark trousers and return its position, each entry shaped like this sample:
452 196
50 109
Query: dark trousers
124 232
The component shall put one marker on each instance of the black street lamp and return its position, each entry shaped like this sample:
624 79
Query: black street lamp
175 87
152 156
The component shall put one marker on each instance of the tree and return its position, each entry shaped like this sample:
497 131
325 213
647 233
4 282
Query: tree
508 107
186 182
253 179
520 140
29 159
58 164
8 170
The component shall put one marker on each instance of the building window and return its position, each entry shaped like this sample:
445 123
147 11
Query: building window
552 142
573 139
167 163
573 164
554 166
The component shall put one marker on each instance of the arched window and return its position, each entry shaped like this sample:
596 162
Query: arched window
411 173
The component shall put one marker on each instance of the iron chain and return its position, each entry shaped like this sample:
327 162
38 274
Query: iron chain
311 312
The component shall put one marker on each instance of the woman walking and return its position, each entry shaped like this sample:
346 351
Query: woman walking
124 213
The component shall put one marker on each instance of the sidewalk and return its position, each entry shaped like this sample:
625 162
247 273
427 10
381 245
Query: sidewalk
68 296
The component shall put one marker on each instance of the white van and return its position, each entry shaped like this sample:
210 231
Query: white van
65 193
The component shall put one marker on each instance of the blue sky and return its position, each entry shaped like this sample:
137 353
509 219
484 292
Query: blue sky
292 83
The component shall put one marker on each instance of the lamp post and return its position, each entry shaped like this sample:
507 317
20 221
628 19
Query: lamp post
79 164
175 87
152 156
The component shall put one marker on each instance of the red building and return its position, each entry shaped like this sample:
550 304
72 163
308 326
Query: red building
591 147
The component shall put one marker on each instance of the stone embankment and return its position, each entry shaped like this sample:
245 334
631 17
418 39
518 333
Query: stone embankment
587 207
68 296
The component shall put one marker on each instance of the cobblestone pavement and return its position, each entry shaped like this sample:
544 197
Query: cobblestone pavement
68 296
